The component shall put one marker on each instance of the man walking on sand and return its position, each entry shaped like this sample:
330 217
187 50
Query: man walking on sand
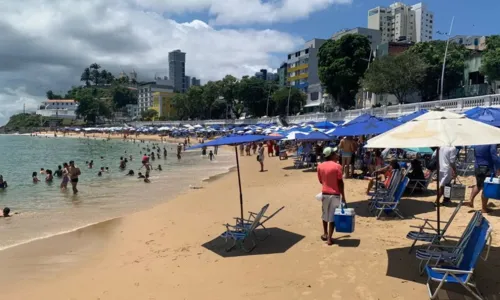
330 177
486 163
74 172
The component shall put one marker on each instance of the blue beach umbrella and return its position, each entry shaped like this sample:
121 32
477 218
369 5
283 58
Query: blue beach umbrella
325 125
413 115
313 136
487 115
235 140
371 125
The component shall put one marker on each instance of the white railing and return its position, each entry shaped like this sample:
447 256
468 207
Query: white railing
456 105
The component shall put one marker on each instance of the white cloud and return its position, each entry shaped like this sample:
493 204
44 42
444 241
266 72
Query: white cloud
45 44
238 12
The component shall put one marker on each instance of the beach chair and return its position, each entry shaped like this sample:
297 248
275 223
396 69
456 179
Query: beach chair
392 206
450 254
386 194
247 223
239 234
428 232
463 273
421 184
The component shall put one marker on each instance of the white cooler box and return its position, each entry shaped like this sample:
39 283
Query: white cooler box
344 219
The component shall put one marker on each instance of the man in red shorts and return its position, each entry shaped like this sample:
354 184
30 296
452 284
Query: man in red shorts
330 177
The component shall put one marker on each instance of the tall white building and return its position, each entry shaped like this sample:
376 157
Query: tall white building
400 22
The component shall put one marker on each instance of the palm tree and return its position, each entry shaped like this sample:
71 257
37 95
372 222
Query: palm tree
86 76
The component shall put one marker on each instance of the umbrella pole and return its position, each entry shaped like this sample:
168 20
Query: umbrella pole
437 195
239 182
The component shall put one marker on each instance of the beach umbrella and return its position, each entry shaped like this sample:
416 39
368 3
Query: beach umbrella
437 129
413 115
358 119
325 125
234 140
365 125
313 136
487 115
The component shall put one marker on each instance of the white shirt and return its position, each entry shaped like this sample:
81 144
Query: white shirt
447 157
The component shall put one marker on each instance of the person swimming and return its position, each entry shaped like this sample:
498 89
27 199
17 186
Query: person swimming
65 176
49 177
159 168
58 172
139 175
99 173
130 173
3 183
42 171
34 177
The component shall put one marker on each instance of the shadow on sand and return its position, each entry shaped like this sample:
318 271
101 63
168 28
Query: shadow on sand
409 207
278 242
404 266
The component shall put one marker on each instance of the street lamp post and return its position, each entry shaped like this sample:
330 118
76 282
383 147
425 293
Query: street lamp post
288 103
444 59
267 104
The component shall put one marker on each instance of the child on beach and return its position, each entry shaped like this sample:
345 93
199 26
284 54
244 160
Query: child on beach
3 183
211 155
34 177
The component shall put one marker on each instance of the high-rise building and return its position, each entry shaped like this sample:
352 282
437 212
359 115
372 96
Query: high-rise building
373 35
195 81
262 74
177 70
282 74
302 71
401 22
187 80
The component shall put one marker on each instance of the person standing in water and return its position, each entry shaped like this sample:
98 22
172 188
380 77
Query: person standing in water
74 172
65 177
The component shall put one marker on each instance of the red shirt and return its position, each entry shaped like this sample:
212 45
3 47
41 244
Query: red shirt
329 175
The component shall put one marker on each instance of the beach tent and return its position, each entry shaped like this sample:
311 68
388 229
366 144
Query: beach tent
313 136
437 129
413 115
421 150
235 140
487 115
366 124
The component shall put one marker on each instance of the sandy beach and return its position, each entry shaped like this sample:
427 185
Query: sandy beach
173 252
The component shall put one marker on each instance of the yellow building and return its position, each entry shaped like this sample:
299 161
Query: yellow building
162 103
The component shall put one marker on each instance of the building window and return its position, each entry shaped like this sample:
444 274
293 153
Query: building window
307 51
314 96
289 56
297 54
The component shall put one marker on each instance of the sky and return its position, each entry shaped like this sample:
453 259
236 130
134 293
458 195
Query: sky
46 44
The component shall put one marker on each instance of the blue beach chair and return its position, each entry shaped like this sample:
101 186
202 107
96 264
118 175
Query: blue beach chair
450 254
463 273
386 194
392 206
239 234
429 233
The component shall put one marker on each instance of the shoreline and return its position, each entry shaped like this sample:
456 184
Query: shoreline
187 189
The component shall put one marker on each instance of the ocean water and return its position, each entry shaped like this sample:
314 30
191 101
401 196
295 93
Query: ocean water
45 210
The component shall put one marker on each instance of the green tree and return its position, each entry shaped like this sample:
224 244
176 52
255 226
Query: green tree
181 105
51 95
297 100
211 93
341 65
90 108
196 106
122 96
490 60
95 74
253 95
399 75
86 76
149 115
229 90
432 54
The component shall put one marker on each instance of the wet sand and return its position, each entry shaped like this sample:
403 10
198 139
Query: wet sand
173 252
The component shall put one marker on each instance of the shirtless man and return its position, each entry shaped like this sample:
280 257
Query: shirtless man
74 172
348 146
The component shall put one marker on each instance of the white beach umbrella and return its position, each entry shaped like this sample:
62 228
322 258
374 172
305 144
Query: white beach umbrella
437 129
291 135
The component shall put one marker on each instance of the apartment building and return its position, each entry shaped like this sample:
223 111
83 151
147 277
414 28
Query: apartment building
401 22
146 91
177 70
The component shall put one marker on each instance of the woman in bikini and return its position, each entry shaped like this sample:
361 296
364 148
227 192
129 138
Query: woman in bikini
65 177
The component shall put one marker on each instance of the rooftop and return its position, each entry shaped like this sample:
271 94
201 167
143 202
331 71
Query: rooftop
60 100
